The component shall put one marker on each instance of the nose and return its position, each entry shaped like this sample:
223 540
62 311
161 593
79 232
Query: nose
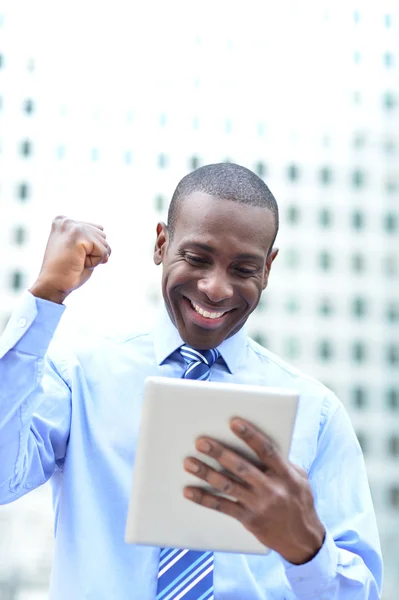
216 286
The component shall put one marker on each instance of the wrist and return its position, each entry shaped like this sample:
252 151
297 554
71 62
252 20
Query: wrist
308 550
43 290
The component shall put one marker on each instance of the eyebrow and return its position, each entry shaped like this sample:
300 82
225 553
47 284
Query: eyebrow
211 250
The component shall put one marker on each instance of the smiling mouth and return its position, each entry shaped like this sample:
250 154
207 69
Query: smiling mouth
207 314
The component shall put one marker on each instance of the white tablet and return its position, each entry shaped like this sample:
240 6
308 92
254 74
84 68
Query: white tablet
175 412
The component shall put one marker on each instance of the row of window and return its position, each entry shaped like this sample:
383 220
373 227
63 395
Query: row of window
359 307
361 398
389 143
358 219
391 443
326 352
388 59
326 175
325 261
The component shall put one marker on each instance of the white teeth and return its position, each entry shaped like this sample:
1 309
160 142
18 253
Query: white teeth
205 313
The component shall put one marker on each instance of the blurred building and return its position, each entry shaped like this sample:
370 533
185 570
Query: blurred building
103 131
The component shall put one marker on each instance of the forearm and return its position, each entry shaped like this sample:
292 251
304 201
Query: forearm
22 349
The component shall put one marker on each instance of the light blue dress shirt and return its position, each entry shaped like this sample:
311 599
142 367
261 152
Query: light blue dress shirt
73 418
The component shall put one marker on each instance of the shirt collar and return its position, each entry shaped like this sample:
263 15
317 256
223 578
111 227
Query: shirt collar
167 339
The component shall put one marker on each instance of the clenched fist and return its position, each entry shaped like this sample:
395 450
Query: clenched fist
73 250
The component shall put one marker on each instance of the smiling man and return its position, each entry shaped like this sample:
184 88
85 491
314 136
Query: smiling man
73 418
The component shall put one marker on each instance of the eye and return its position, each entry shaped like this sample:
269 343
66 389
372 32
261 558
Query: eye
246 272
196 260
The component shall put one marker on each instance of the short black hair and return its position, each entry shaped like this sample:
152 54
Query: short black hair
227 181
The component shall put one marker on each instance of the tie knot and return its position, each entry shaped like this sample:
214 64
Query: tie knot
199 362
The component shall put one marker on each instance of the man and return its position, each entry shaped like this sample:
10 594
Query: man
75 418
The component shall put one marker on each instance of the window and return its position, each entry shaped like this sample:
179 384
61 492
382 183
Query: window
260 169
358 178
194 163
390 146
358 263
26 148
357 97
325 260
392 311
292 348
95 154
359 352
388 59
292 305
389 101
393 354
391 265
393 445
394 496
392 397
391 185
23 191
60 152
356 57
325 350
1 61
363 441
356 16
162 120
293 172
195 123
292 258
228 126
19 236
162 160
326 307
358 220
159 203
359 140
293 214
28 106
391 222
388 21
325 217
17 280
128 157
359 396
359 307
259 338
325 175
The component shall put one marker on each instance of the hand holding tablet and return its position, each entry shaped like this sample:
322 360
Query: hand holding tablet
175 413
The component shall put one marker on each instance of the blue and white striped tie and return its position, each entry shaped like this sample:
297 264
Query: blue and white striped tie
188 574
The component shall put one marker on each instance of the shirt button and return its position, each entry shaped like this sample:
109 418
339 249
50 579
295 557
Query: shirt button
22 322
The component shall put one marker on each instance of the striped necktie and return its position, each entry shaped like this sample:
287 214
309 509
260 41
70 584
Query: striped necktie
188 574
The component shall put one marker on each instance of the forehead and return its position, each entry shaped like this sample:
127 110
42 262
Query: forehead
219 221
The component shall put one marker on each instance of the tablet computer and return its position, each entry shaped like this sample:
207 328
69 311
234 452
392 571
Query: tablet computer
175 412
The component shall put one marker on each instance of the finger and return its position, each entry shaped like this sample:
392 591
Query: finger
219 481
262 444
98 254
300 471
95 225
233 462
209 500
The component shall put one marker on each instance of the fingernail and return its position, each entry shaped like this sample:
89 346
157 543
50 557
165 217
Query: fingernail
203 445
189 494
239 426
192 466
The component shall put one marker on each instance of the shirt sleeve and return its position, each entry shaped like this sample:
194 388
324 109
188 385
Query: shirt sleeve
35 400
349 563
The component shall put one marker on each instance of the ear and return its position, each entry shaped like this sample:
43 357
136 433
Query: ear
268 266
161 243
